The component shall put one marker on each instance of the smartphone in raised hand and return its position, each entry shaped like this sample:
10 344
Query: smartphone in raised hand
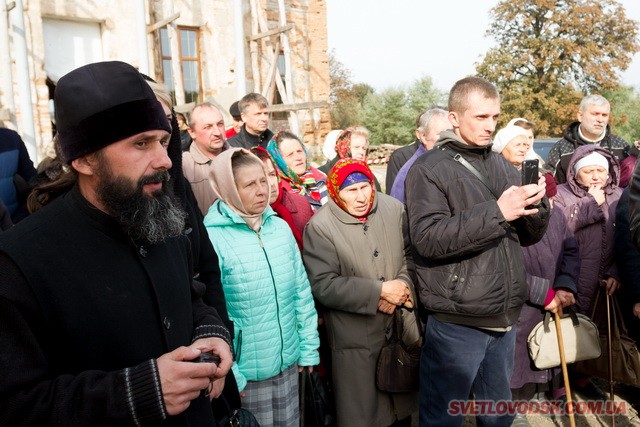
530 175
530 172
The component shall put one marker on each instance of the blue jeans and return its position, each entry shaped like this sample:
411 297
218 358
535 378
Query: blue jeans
456 358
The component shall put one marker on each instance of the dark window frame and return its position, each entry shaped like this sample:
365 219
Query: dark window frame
183 59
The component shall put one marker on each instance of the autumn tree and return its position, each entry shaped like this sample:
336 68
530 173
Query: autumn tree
550 53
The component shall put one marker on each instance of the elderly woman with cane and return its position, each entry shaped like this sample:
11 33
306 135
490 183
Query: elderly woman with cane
588 201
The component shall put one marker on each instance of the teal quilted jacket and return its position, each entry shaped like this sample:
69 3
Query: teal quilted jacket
268 294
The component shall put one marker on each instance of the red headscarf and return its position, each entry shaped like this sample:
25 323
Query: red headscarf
340 171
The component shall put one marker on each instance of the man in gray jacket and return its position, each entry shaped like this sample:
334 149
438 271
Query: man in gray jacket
468 216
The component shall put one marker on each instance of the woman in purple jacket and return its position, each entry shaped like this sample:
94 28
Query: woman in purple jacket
588 201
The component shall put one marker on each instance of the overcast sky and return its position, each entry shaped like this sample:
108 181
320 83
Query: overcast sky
392 43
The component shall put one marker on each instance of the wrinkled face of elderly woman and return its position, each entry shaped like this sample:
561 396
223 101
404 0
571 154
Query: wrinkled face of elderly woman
592 176
358 147
253 188
294 155
516 150
356 198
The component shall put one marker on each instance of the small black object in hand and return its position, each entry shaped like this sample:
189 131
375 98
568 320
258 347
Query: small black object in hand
207 358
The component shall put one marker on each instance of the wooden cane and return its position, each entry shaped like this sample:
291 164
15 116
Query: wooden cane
565 372
610 350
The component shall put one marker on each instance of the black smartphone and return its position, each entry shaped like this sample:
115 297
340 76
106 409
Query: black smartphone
530 172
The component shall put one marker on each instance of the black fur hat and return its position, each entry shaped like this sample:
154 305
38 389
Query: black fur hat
102 103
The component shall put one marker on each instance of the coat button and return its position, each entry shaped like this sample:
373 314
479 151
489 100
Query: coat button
167 323
455 278
143 252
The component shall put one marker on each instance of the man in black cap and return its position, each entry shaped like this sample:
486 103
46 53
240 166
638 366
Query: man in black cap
255 117
234 111
101 319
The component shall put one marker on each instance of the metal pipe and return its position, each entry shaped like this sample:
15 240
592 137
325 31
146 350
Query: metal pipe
26 128
141 30
6 75
241 80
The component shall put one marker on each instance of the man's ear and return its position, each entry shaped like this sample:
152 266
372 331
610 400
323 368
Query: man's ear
85 165
579 116
453 118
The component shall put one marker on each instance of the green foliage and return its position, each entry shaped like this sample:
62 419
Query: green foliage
388 117
422 95
549 53
391 115
625 105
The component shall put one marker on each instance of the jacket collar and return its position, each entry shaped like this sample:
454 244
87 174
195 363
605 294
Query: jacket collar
452 141
99 219
197 155
223 215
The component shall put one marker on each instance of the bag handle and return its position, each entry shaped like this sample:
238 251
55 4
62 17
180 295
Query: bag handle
569 313
458 158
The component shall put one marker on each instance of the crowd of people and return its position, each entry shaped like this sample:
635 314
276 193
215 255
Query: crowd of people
157 240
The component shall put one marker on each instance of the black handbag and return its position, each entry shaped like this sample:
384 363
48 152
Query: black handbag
239 417
398 364
316 400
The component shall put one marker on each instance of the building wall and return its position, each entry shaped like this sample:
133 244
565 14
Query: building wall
220 71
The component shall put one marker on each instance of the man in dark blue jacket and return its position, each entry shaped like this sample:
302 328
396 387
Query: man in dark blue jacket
16 170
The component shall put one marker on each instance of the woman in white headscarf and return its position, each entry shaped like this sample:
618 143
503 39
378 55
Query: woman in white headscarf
513 143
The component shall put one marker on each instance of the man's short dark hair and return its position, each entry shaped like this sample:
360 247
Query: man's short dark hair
463 88
252 98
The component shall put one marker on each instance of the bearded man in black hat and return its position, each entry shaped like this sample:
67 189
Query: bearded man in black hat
101 319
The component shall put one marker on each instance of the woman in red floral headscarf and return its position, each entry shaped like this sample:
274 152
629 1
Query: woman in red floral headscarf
352 143
356 258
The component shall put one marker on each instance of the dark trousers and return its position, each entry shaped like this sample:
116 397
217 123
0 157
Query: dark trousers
456 359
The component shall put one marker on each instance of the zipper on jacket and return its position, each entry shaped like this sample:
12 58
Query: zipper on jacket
510 279
239 347
275 290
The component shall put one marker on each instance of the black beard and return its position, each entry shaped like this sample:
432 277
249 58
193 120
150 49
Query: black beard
151 219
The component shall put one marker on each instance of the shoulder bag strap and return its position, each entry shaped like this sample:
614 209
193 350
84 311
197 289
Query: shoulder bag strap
458 158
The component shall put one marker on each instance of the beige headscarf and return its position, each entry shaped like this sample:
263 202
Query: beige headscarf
224 185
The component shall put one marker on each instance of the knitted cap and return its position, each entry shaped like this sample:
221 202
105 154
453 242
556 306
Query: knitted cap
593 159
102 103
505 136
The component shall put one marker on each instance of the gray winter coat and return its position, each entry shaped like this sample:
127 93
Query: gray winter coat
347 261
